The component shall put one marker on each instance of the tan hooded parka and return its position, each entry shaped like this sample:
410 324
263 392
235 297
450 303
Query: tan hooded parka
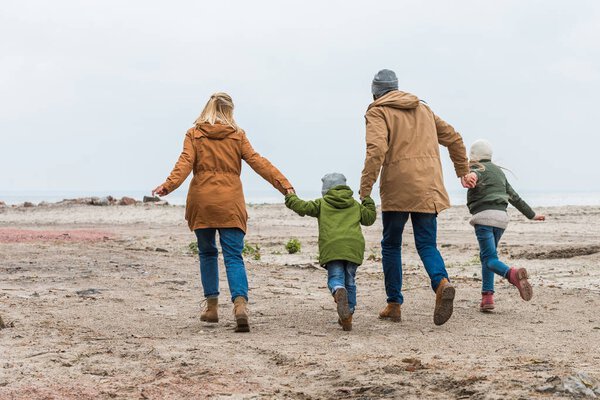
403 138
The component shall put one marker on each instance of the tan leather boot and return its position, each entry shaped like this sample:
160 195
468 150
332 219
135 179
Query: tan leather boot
240 313
391 312
211 312
346 324
444 302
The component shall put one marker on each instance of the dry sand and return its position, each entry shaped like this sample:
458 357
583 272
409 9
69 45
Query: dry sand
104 302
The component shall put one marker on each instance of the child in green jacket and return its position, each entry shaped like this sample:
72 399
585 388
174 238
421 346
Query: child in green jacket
341 243
488 201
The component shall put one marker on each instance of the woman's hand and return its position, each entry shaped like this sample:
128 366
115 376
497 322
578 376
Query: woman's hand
160 190
539 217
469 181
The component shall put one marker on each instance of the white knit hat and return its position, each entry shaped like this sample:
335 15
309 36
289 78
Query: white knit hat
480 150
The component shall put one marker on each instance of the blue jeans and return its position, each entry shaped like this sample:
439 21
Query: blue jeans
232 244
488 238
341 274
425 232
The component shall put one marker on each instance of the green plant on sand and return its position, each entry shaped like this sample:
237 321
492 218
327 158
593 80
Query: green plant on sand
293 246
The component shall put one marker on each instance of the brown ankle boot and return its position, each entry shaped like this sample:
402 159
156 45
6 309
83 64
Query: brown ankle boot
391 312
346 324
211 312
240 313
444 302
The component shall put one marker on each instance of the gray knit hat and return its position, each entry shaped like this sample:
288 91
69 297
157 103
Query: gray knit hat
383 82
332 180
481 150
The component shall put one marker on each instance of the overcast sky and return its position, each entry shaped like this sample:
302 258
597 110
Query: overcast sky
97 95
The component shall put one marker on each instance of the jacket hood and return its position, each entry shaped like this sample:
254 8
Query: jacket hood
339 196
216 131
397 99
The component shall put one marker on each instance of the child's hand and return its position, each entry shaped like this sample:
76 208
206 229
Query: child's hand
469 181
290 191
539 217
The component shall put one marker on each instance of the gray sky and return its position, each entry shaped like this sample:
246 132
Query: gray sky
97 95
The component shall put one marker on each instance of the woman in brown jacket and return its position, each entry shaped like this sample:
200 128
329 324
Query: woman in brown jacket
214 149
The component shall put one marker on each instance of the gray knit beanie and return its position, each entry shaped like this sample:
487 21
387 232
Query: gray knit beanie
383 82
480 150
332 180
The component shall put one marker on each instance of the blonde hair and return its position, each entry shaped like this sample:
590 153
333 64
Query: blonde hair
218 109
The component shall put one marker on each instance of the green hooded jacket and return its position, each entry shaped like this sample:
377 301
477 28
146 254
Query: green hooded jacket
340 217
493 192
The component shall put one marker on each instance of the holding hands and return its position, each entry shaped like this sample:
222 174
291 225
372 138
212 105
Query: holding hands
469 181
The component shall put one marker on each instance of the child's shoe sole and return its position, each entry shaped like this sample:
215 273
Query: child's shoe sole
341 298
488 308
525 289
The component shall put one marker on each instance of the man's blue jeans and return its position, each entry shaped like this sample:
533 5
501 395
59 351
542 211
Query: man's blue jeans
232 244
341 274
488 238
425 232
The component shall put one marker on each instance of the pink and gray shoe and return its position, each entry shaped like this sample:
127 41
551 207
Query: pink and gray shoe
487 302
518 277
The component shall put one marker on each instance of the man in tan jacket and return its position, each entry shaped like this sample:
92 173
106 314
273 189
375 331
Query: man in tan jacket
403 138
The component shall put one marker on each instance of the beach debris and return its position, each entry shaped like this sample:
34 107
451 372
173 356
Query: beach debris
161 250
88 292
127 201
150 199
413 364
2 204
28 204
2 324
103 201
578 384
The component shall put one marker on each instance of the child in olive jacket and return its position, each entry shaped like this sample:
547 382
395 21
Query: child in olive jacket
341 243
488 201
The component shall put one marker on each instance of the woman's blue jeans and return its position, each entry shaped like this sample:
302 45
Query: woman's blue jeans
232 244
341 274
425 232
488 238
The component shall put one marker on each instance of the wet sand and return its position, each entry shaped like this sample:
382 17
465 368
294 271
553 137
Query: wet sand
104 302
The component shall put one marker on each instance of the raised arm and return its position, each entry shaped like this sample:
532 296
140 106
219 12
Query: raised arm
368 212
301 207
264 168
518 202
377 147
451 139
183 167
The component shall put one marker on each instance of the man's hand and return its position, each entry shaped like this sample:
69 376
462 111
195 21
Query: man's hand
160 190
469 181
539 217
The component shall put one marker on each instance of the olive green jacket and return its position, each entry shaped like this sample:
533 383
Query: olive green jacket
493 192
340 217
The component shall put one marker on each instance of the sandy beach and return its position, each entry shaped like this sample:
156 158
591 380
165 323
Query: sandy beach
104 302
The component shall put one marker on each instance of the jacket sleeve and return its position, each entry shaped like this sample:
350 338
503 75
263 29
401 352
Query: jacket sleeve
263 167
451 139
368 212
183 166
518 202
377 147
301 207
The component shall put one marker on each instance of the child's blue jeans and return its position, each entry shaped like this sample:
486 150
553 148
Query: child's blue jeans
488 238
341 274
232 244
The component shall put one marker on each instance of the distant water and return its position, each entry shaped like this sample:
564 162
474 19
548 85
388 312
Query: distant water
535 199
